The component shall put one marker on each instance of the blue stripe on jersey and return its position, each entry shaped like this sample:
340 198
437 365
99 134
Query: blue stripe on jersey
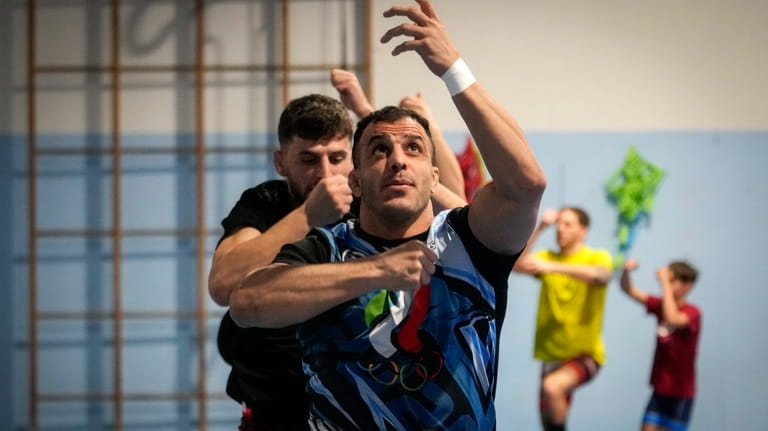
353 387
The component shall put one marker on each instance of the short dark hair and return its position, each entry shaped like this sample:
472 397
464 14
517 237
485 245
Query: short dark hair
581 215
313 117
388 114
684 271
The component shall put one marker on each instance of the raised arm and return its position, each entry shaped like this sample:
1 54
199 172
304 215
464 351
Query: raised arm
503 213
350 92
593 274
527 264
672 314
249 249
445 160
596 275
279 295
628 287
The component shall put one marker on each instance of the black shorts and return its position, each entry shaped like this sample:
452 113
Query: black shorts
672 413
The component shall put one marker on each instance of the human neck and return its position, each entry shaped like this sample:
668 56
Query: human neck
391 228
571 248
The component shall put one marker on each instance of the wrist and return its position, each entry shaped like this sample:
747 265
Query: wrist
364 111
303 217
458 77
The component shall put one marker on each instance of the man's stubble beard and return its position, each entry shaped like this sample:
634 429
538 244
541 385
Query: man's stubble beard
394 216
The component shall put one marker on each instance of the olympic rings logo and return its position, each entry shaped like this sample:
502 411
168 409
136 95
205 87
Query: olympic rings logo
412 375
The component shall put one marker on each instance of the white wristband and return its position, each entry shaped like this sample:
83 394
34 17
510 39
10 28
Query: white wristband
458 77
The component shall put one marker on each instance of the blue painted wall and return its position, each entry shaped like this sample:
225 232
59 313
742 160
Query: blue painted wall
710 209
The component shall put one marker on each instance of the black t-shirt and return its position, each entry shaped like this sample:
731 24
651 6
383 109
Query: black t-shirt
266 363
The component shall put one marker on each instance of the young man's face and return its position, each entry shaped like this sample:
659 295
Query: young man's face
305 162
395 177
569 230
680 288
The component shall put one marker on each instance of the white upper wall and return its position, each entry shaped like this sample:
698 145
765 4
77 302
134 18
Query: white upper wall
558 65
600 65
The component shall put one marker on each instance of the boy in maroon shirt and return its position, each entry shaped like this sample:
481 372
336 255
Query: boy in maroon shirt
674 372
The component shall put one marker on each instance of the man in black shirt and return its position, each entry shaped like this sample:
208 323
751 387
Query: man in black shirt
314 158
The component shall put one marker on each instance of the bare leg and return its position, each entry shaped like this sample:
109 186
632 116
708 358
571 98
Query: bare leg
650 427
556 388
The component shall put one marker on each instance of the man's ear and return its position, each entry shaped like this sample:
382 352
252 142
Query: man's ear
435 178
354 182
277 160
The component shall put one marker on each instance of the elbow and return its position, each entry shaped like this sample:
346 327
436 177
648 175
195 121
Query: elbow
243 308
250 306
627 291
218 290
601 281
519 268
538 185
533 189
602 276
525 265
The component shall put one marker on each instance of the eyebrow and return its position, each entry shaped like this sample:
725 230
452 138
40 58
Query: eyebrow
385 137
318 154
378 138
416 137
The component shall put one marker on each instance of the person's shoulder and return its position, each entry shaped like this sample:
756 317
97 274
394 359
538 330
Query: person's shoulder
269 187
693 308
457 212
598 255
458 218
268 191
546 253
316 247
653 303
596 251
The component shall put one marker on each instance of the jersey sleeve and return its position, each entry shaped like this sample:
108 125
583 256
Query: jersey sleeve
653 305
495 267
259 207
249 211
694 318
603 258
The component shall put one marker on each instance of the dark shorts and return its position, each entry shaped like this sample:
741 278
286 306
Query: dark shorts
672 413
584 365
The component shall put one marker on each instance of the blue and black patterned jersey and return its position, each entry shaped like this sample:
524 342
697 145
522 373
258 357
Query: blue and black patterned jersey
369 369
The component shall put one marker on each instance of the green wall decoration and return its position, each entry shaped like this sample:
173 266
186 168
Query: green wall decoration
632 189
